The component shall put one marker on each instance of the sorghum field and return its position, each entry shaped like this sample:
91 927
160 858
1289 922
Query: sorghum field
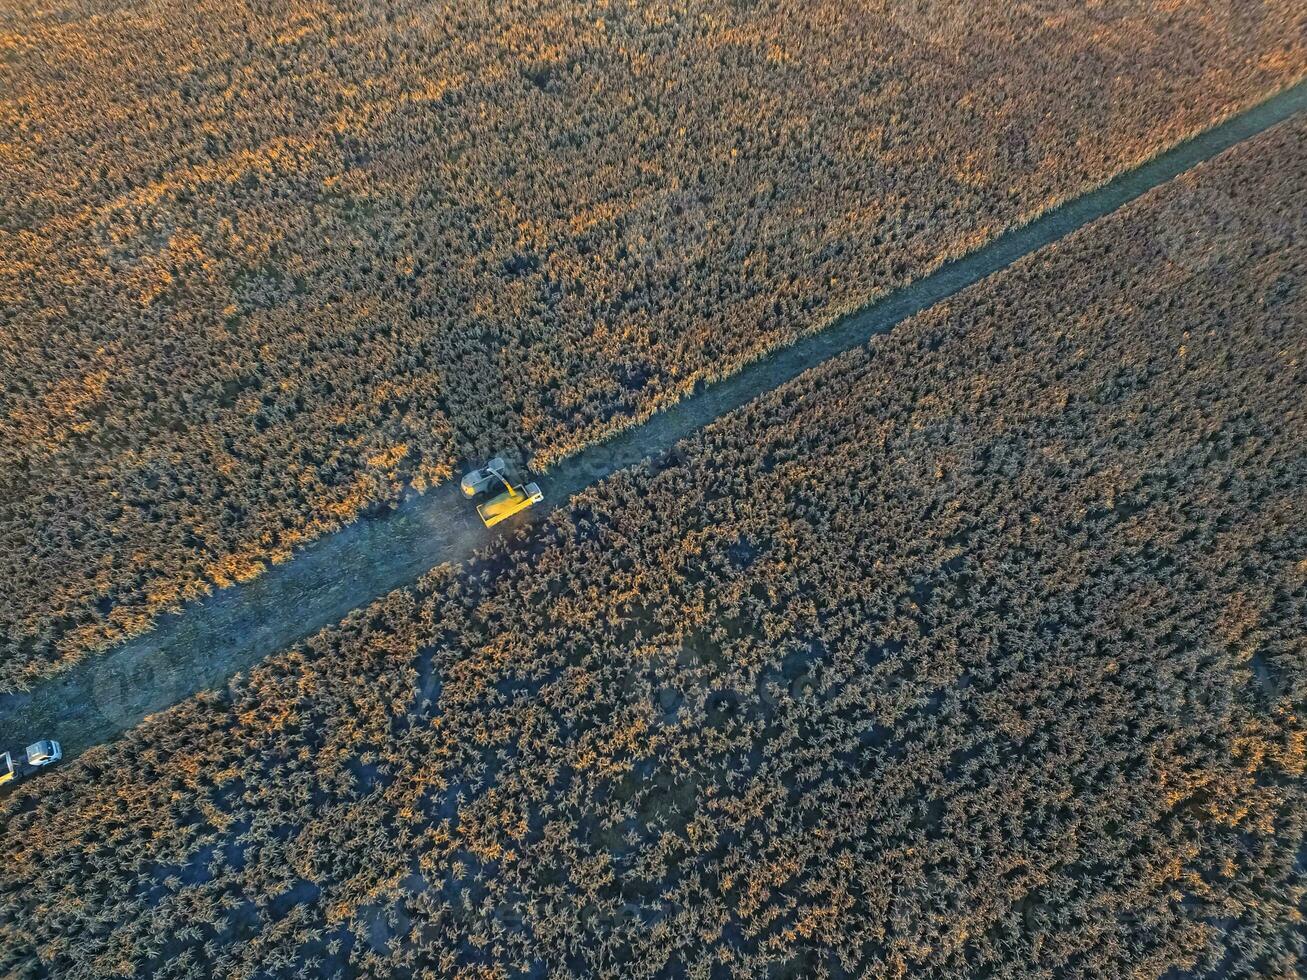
265 266
976 653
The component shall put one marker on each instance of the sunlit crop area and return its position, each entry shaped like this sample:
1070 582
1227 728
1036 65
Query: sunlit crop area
264 266
979 652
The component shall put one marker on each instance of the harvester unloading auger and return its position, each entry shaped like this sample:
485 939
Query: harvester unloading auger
516 496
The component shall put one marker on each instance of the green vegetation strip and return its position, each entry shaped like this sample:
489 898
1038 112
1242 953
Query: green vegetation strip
203 646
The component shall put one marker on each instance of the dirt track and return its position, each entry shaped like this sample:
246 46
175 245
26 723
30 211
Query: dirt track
235 628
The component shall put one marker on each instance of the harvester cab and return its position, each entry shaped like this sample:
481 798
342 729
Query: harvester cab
44 753
513 498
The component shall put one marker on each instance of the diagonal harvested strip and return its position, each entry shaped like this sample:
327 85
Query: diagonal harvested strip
238 627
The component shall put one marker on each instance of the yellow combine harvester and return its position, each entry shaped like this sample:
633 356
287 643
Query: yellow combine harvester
516 497
39 755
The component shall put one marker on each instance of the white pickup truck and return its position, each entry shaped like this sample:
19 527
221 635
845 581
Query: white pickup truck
38 755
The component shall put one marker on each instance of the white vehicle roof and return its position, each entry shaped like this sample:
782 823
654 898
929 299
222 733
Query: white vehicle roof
43 749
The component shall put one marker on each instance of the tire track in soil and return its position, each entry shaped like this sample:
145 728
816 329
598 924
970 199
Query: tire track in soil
233 629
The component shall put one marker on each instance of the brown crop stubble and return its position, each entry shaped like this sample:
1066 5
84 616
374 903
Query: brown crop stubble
262 269
979 652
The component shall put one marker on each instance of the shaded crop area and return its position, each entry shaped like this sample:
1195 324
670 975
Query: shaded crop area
264 267
980 651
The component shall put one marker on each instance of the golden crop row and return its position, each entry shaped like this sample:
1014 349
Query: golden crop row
979 652
263 267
